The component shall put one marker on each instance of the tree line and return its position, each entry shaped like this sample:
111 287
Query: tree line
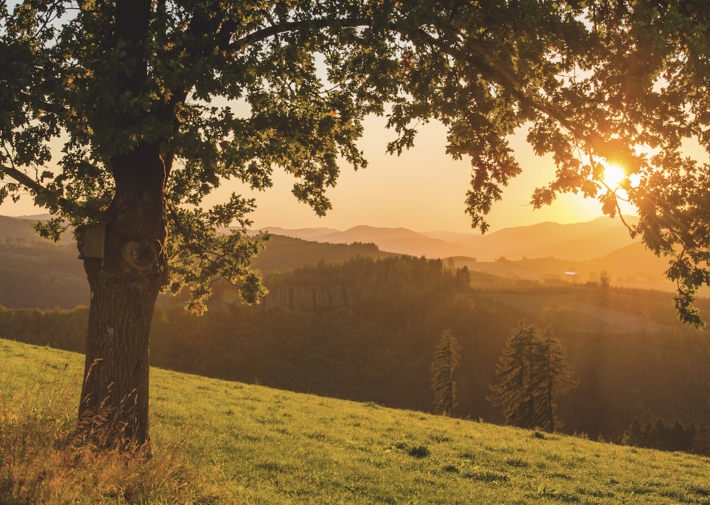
662 435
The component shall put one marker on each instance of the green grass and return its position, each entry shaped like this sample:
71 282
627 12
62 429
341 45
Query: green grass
225 442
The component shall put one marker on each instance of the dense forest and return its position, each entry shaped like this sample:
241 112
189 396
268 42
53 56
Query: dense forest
663 436
365 329
34 273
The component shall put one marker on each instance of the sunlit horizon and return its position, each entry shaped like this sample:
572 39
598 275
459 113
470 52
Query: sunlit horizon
422 190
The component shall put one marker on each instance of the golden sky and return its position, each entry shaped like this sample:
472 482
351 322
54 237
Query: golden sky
423 190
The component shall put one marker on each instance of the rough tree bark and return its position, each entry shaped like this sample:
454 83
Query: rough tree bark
123 294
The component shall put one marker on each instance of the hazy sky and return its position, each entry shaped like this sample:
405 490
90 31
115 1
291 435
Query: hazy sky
422 190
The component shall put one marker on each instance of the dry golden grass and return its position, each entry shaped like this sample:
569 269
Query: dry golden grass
43 461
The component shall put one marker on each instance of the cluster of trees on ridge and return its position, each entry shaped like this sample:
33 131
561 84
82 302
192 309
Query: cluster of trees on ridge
34 273
661 435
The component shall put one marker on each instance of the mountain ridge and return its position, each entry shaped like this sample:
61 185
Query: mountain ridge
594 238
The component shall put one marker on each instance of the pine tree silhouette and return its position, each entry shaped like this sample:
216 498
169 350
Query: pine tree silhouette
533 373
515 393
463 278
445 360
701 443
552 378
635 435
616 432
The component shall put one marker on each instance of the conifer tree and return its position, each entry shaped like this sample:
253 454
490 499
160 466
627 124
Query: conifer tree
533 372
635 436
616 432
656 434
463 278
552 379
677 433
515 393
701 442
445 360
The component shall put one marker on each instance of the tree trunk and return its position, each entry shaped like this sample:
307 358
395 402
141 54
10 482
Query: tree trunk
124 288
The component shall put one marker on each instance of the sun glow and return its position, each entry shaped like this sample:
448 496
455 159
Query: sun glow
613 175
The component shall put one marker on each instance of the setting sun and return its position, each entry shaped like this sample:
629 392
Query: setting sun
613 175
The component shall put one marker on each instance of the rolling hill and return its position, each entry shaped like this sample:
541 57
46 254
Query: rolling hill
585 248
227 442
574 242
525 239
545 250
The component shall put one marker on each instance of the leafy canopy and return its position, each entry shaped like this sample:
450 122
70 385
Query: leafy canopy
622 82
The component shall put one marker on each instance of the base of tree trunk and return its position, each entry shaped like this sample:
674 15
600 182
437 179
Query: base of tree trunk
124 288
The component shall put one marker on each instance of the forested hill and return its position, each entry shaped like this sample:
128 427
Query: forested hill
361 324
41 274
286 253
34 273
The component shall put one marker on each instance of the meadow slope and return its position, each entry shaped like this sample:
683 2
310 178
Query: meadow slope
252 444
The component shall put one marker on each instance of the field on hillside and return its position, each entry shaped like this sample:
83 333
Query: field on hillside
587 317
250 444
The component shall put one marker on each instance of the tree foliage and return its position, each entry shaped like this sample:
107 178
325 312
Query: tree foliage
623 82
533 373
444 362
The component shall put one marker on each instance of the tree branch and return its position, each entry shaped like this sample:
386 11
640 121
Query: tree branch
318 24
35 186
499 75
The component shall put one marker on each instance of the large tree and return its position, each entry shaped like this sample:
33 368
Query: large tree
156 103
533 373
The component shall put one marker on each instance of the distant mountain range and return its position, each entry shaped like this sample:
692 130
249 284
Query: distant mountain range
577 252
576 242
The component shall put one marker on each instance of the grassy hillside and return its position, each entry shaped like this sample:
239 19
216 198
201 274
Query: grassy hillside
226 442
